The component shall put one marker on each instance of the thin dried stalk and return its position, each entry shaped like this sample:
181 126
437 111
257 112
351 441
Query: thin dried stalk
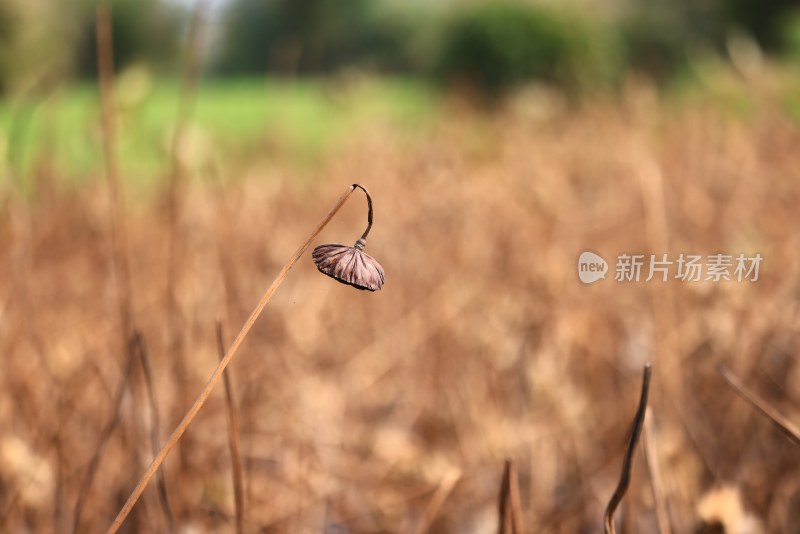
651 454
185 109
105 435
627 463
217 374
119 236
791 430
186 101
510 507
119 239
442 492
155 424
233 438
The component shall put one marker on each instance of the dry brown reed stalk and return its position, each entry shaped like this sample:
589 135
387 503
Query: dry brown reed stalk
653 465
627 462
186 101
119 240
119 236
233 438
446 486
217 374
791 430
144 359
105 435
510 508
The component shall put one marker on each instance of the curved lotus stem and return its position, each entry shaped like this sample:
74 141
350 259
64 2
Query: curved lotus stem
363 239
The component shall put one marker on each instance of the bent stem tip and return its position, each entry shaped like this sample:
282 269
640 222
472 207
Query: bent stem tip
363 239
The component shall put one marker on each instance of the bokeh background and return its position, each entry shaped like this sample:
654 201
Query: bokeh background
499 141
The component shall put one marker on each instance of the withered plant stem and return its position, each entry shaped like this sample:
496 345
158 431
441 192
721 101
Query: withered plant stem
217 374
185 109
363 238
105 436
186 102
791 430
653 465
627 462
105 67
233 438
140 347
510 508
446 486
119 256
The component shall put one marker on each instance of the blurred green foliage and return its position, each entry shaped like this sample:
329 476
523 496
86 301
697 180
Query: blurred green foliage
495 46
310 37
43 41
762 19
790 34
144 31
34 42
233 118
492 46
8 21
658 41
498 45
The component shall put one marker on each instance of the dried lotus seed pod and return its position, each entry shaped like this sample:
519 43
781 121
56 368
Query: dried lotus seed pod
351 265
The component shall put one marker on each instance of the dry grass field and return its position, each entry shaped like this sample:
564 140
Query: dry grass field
394 411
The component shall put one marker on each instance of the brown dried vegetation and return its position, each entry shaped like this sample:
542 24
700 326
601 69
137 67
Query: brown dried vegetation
356 410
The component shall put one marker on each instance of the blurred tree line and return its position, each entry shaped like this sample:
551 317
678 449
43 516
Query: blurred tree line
47 39
490 45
